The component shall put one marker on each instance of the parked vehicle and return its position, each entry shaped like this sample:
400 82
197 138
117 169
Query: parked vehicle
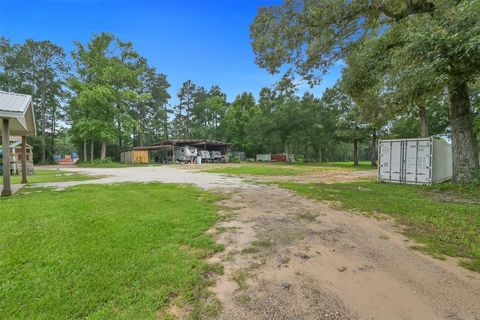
215 156
185 154
205 156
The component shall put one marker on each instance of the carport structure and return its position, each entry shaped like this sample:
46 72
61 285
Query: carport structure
210 145
16 118
201 144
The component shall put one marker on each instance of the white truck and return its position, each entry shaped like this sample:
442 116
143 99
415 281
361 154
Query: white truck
185 154
205 155
216 156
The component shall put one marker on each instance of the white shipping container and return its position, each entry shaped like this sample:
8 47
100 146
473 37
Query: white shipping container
414 161
264 157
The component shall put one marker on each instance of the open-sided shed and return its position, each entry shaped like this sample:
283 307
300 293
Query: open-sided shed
17 118
164 150
200 144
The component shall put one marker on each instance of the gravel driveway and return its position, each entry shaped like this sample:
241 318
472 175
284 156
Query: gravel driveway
166 174
287 257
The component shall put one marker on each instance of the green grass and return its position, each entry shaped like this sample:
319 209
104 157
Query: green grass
288 169
445 218
257 170
50 176
121 251
362 165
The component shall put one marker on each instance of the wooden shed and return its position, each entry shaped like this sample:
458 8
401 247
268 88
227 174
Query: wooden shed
134 155
140 155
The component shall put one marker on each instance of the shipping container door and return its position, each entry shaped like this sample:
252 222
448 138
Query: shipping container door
411 157
424 161
396 161
384 159
391 161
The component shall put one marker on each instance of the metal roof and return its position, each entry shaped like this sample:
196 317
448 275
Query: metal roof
14 102
192 142
156 147
18 108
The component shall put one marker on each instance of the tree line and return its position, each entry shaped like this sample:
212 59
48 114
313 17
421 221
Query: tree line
106 97
411 70
420 56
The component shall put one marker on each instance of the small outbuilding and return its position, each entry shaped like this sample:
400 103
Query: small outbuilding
16 118
16 155
137 154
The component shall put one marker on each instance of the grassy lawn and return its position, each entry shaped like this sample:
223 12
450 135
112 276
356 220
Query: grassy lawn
362 165
288 169
258 170
445 218
122 251
50 176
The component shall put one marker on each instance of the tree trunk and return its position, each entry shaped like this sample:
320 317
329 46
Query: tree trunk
43 122
355 152
54 124
422 113
464 143
374 154
142 139
103 153
85 156
142 126
165 122
119 128
92 149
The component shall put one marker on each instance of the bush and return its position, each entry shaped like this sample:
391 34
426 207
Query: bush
234 159
300 158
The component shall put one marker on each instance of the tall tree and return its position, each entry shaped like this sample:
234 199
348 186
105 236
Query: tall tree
441 37
149 110
37 68
48 70
350 126
186 101
107 76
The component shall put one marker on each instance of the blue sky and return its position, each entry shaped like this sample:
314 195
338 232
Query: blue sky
206 41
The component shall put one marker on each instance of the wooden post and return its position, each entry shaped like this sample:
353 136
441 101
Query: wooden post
24 159
92 146
173 153
7 190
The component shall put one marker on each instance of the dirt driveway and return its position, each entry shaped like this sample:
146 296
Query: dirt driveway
287 257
